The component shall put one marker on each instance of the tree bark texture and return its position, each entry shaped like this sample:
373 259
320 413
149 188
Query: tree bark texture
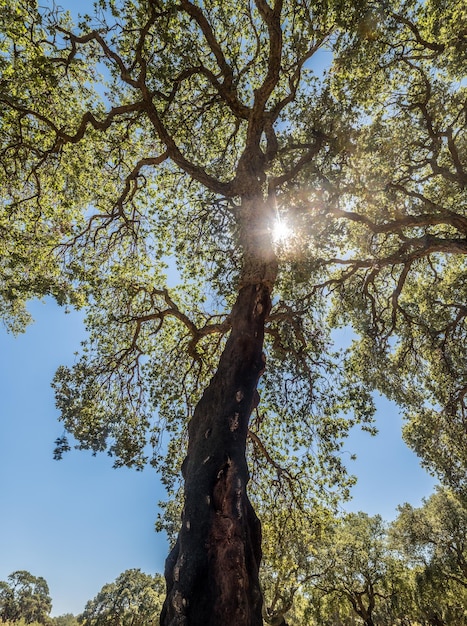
212 572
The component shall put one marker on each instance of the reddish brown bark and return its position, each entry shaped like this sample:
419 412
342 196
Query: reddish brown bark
212 572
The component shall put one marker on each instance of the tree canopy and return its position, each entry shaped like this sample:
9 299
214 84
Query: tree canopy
221 184
435 534
24 596
403 195
133 599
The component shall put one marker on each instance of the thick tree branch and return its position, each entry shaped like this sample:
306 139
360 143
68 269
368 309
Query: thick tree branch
431 45
295 79
444 217
272 19
226 89
304 160
166 137
262 448
88 119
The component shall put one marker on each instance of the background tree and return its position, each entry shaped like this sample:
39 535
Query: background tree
435 535
134 599
353 563
438 601
25 597
289 536
21 622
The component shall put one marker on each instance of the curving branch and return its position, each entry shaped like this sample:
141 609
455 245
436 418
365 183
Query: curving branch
431 45
146 104
312 150
398 225
264 452
87 119
410 251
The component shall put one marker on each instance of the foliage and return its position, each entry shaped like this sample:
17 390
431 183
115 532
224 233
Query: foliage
162 189
65 620
32 220
375 175
438 600
289 537
21 622
353 564
359 569
400 197
435 535
62 620
25 597
133 599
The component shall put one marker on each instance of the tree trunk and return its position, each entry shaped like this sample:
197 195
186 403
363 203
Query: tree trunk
212 572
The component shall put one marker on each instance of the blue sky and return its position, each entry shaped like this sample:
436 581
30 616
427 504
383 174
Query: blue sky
78 522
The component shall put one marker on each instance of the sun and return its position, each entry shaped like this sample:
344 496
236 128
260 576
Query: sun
281 232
